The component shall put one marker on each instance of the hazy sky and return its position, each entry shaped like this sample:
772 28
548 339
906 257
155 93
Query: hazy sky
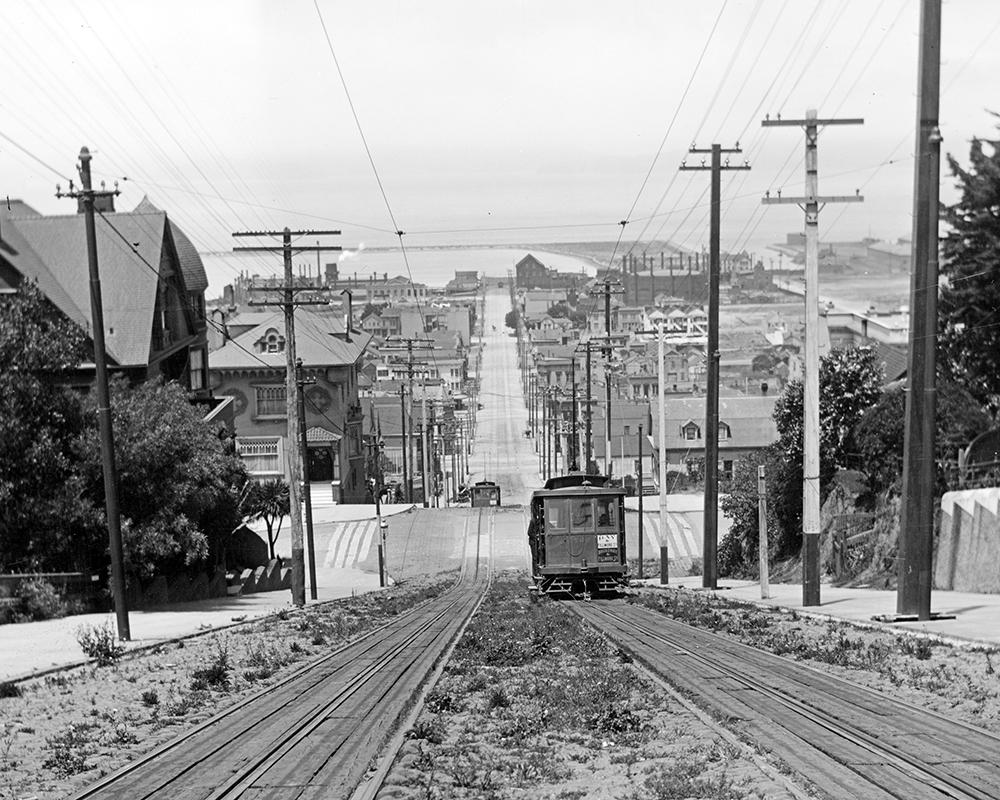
230 114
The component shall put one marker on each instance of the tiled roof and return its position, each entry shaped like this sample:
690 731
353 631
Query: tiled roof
319 434
314 344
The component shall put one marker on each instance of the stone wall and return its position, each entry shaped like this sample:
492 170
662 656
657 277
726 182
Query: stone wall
968 548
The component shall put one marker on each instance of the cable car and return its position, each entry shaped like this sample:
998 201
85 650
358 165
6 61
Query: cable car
485 494
577 536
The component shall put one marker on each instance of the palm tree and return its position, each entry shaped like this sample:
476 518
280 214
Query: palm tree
268 501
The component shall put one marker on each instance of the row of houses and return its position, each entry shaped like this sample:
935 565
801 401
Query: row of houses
230 359
746 425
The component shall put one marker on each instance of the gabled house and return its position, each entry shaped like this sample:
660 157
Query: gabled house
746 425
250 368
152 280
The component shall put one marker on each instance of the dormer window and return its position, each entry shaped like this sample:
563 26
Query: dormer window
724 431
690 431
271 342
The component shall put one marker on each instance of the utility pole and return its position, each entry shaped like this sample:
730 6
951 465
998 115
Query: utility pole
408 454
112 510
916 518
607 289
424 455
762 550
300 383
288 302
664 566
574 448
404 441
588 455
710 544
811 204
639 470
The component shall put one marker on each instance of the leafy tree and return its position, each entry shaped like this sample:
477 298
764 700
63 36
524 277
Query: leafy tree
880 431
510 319
269 501
559 310
174 475
738 550
372 308
969 304
42 508
849 383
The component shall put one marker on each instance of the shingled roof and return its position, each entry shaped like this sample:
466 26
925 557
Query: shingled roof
128 285
54 251
750 420
16 251
315 344
192 266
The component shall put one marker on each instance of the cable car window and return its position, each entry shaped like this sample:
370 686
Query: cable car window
555 515
582 514
606 517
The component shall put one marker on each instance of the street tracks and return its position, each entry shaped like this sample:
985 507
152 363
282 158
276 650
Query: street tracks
315 733
848 740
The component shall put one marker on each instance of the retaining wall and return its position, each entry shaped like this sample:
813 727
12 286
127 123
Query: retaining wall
968 547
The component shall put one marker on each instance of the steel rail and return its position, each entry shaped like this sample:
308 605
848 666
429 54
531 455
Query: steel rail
947 785
369 789
236 785
304 679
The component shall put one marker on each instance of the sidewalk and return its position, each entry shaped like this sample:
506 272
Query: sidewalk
976 616
34 647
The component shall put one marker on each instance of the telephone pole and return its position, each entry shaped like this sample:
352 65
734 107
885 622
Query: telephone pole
916 517
288 302
574 448
711 533
408 454
588 455
300 383
811 204
112 511
607 289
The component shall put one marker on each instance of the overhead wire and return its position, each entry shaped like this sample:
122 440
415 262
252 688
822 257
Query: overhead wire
130 247
745 235
371 160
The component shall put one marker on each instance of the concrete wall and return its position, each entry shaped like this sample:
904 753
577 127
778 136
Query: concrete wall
968 548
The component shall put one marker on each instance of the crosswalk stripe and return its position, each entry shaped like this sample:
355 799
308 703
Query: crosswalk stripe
362 543
679 536
339 542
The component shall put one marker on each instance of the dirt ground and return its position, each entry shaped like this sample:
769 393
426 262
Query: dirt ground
66 730
532 705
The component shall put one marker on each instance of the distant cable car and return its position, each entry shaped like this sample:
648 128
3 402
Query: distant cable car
485 493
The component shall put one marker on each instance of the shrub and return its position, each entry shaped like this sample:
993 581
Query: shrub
68 750
100 642
265 658
215 674
11 689
428 728
150 698
40 600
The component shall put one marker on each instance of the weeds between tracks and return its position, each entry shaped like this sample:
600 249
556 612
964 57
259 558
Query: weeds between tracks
535 703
